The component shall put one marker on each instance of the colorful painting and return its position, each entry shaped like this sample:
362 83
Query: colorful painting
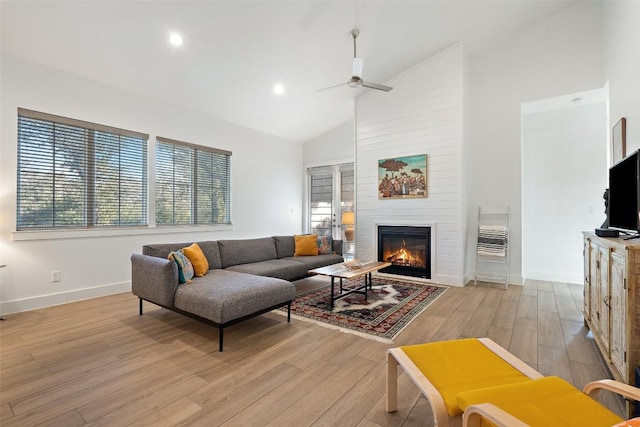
402 177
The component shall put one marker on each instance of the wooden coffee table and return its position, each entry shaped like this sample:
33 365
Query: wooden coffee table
342 272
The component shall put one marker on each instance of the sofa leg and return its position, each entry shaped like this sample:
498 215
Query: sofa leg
140 299
221 329
289 313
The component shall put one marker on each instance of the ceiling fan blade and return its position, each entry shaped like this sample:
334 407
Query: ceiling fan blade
358 63
376 86
331 87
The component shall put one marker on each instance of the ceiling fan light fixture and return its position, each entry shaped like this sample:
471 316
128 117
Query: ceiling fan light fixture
355 82
358 64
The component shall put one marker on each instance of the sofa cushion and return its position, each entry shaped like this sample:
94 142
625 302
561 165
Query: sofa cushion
337 246
209 248
162 250
285 246
197 258
311 262
306 245
244 251
280 268
222 296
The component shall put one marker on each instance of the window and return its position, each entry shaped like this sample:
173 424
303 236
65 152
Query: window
192 184
75 174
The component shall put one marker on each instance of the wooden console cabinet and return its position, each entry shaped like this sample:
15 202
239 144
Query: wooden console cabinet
612 301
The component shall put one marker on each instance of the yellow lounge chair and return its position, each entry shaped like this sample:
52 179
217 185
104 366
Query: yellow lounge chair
463 374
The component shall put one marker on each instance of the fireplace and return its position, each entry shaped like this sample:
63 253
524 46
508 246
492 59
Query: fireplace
407 248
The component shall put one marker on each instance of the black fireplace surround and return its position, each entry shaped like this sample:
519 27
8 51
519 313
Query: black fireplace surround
407 248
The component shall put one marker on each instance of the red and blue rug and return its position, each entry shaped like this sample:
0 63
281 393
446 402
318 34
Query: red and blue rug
391 305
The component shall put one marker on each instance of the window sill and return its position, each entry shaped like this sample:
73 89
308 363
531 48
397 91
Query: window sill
111 232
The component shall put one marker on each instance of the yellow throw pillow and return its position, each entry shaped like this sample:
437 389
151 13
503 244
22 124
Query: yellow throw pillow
197 258
633 422
306 245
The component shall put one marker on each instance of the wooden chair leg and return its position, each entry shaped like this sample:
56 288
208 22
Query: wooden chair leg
391 403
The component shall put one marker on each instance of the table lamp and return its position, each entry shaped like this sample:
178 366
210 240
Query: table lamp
348 219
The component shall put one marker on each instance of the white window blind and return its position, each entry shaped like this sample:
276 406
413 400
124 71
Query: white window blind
321 201
193 184
75 174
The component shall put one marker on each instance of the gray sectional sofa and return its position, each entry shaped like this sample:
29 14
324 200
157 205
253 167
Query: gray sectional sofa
246 278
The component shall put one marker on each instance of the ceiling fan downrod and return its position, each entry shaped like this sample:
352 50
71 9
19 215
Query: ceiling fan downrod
354 33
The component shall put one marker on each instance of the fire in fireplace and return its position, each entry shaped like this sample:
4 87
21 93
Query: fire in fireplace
407 249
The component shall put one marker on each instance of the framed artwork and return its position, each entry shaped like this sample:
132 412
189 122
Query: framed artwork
402 177
619 141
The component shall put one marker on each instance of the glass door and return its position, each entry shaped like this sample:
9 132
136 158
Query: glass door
321 201
330 195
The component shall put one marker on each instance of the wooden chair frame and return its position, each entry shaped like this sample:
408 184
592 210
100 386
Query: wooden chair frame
474 414
395 357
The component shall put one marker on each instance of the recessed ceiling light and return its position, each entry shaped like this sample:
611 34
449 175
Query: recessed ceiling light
175 39
278 89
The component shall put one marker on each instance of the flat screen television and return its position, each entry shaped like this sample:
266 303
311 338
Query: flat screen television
624 193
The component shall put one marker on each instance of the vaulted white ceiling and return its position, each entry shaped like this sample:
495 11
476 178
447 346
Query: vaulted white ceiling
235 51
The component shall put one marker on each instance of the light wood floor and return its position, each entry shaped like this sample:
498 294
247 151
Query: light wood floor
97 362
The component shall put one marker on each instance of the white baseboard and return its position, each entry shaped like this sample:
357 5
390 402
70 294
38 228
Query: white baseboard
556 277
513 280
436 279
42 301
447 280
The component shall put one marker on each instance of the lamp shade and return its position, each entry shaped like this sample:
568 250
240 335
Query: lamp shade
348 218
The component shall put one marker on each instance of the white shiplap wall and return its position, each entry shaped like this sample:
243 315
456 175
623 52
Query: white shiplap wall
423 114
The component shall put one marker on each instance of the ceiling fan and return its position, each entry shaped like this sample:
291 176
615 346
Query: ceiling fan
356 75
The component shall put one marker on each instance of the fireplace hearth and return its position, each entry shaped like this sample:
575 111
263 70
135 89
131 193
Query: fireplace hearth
407 248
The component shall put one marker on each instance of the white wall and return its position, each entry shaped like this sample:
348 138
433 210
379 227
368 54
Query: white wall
622 65
561 55
333 147
563 178
266 176
423 114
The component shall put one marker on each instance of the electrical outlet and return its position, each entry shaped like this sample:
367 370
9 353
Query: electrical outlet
56 276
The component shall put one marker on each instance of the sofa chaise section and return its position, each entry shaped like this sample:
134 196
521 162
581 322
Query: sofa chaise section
227 297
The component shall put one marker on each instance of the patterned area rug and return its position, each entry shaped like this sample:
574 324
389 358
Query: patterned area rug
391 305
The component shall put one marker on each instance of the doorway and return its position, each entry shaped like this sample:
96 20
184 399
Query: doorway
564 175
330 195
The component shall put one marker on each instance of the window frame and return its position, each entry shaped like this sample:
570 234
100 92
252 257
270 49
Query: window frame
90 202
194 216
